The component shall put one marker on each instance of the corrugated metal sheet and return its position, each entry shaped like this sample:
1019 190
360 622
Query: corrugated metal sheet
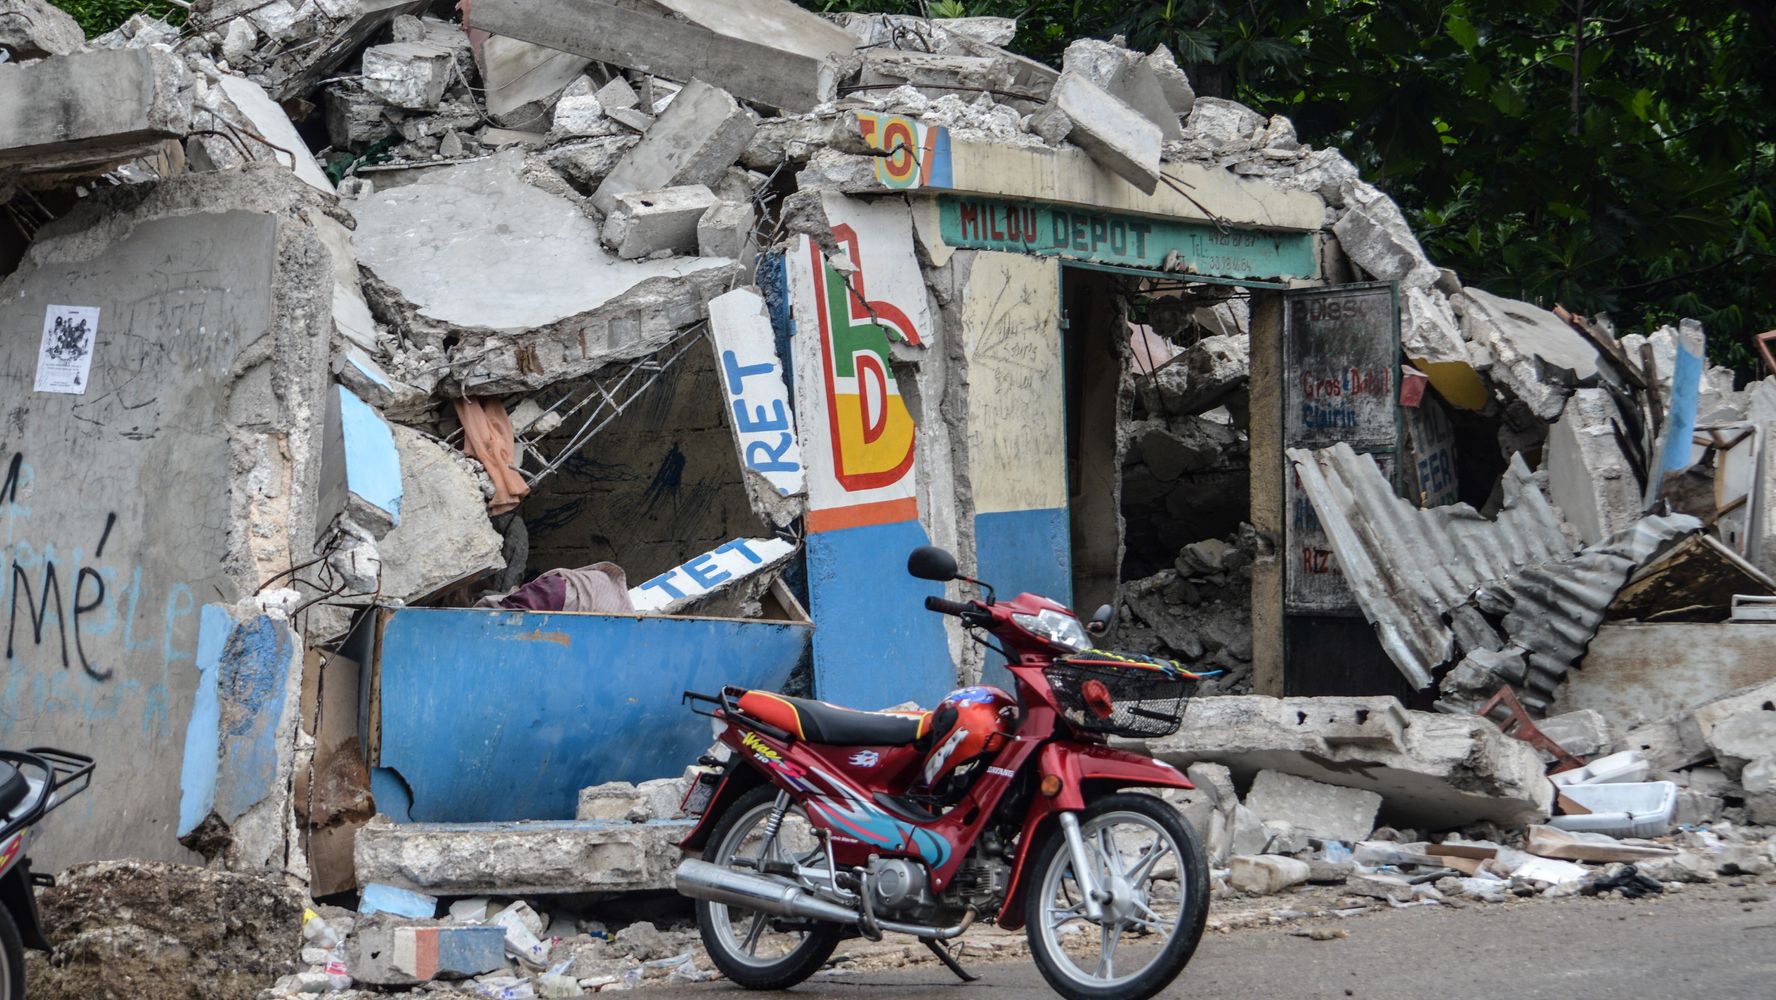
1409 566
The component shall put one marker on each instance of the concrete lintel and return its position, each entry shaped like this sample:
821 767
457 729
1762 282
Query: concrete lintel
90 108
520 859
778 76
1071 177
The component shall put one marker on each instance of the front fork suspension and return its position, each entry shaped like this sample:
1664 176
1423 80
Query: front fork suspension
1083 872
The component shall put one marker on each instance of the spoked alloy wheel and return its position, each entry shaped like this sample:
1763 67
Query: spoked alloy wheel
1144 855
758 950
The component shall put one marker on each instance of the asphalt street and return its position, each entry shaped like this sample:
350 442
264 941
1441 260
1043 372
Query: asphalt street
1716 942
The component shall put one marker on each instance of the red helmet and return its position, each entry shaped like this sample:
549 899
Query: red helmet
967 725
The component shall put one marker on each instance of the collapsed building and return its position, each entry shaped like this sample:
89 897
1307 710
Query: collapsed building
404 406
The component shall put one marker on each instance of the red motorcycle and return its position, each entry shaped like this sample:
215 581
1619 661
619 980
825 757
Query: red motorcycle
823 822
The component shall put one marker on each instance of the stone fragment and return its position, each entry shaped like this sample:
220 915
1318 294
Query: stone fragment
1172 81
725 230
1378 240
613 802
1221 131
411 75
355 119
1536 355
33 29
238 42
1742 738
1131 78
1589 477
1437 772
443 535
1584 733
1213 372
1329 812
1265 874
523 81
698 138
1320 872
643 223
390 950
1115 135
520 859
1216 781
617 94
90 108
1378 886
1050 124
579 114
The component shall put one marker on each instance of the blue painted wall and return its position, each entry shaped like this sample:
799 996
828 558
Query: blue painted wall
231 743
875 645
499 715
372 464
1023 551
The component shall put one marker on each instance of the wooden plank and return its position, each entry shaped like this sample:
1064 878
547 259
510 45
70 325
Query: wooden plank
676 50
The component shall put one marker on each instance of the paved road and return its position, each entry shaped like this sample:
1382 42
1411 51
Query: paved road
1715 942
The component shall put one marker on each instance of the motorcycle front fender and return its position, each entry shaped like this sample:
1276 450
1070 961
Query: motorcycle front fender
1087 771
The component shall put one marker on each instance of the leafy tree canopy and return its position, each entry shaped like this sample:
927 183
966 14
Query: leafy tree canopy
1609 155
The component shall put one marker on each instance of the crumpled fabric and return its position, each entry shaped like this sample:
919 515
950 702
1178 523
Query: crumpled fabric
601 588
488 438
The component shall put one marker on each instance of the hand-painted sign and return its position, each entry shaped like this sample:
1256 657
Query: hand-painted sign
918 154
758 399
682 584
1130 240
846 384
1341 375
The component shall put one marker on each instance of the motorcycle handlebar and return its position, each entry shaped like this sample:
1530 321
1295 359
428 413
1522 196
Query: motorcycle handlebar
957 608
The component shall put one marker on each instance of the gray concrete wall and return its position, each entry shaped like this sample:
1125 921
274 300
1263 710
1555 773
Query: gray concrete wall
127 508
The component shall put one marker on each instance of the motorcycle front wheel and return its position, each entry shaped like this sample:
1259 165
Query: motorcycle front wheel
1144 854
754 949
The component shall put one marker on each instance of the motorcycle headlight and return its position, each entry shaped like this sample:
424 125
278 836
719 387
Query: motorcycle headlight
1056 628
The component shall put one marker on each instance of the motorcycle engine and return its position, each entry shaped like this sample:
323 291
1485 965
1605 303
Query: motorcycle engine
899 887
981 883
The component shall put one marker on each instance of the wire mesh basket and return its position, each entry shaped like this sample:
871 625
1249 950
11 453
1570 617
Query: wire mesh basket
1120 698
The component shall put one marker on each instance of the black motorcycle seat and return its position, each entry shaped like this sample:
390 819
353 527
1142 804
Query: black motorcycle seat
819 722
13 788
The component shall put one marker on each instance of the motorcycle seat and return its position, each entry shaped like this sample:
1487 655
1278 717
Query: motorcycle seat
819 722
13 788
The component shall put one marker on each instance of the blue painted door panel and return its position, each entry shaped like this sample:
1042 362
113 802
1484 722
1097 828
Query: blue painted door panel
505 715
876 644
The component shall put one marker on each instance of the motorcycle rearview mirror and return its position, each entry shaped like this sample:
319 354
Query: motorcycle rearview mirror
928 562
1101 619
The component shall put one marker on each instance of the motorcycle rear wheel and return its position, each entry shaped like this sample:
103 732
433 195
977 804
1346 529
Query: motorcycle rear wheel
735 937
1143 851
12 958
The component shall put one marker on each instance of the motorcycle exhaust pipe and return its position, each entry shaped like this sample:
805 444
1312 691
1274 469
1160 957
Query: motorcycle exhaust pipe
702 880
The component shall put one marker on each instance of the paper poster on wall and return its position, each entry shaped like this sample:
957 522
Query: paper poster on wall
65 360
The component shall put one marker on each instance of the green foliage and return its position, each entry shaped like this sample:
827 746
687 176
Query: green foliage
1608 155
99 16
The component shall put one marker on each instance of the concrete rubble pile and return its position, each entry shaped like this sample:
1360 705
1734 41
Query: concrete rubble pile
499 313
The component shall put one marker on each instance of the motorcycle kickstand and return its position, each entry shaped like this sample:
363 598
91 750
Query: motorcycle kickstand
949 961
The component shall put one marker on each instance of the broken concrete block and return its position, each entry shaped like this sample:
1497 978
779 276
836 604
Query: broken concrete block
773 53
1172 81
1050 124
1213 372
1742 738
579 114
355 119
699 137
411 75
522 80
388 950
1216 781
340 30
1115 135
725 230
613 802
379 898
516 268
1378 886
90 108
1589 477
1329 812
1378 240
1265 874
360 466
1445 771
520 859
617 94
1536 355
33 29
444 535
1584 733
1129 77
643 223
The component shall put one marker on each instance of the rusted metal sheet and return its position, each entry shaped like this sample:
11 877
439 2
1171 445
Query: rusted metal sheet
1696 582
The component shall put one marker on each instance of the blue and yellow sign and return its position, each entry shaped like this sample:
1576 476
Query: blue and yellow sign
1083 234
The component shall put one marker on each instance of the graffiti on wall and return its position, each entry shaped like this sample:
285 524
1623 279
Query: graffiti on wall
916 155
851 318
75 611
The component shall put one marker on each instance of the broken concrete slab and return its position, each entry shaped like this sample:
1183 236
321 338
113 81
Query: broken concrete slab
91 108
1440 772
1265 874
523 80
444 535
644 223
342 30
409 75
1213 372
33 29
1115 135
768 51
517 275
1129 77
699 137
274 126
1536 356
1329 812
1172 81
1378 240
1589 477
725 230
1582 733
520 859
